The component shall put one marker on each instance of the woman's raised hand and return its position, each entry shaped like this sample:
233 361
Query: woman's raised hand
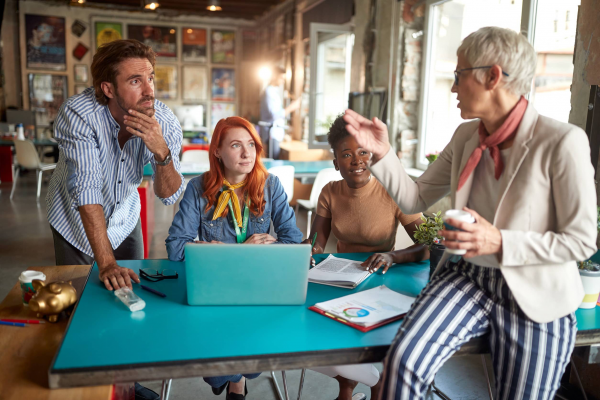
371 135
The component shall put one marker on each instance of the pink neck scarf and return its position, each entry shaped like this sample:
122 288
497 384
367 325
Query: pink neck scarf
505 132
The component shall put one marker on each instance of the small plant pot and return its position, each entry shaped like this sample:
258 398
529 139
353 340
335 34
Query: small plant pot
435 255
591 287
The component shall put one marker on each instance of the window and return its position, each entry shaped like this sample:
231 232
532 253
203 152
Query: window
448 22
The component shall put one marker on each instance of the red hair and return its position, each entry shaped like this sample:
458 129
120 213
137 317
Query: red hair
213 179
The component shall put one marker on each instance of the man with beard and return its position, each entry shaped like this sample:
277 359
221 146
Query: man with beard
106 135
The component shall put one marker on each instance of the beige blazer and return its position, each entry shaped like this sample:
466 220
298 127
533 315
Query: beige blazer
546 212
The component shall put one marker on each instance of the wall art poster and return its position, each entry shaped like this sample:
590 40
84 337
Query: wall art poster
165 81
46 45
162 39
195 83
46 94
107 32
81 73
80 89
223 84
223 47
194 44
78 28
220 111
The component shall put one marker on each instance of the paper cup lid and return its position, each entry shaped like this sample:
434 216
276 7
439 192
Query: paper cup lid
459 215
28 276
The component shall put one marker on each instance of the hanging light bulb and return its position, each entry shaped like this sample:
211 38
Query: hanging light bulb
214 5
151 5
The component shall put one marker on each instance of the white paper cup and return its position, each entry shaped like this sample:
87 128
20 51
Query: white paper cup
591 287
458 215
27 290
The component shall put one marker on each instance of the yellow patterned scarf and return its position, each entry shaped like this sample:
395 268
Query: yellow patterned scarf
224 198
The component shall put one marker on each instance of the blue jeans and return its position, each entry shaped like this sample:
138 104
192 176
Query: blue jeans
218 381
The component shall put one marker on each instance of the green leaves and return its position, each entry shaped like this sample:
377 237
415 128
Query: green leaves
427 232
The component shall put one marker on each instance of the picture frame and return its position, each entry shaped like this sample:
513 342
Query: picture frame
80 73
219 111
47 92
194 83
223 47
80 51
162 39
223 84
107 32
165 82
78 28
194 47
80 88
45 39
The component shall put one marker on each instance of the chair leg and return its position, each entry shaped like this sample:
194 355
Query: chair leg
308 221
487 378
166 388
276 385
285 389
14 182
301 383
39 182
435 390
578 379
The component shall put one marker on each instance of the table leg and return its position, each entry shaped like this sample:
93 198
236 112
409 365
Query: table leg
166 388
285 389
276 385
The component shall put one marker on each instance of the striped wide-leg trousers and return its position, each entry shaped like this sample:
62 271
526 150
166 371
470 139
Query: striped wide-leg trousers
464 301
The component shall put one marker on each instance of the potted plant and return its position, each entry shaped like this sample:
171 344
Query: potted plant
590 277
427 234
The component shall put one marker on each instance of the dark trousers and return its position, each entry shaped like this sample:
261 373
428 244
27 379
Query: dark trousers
65 253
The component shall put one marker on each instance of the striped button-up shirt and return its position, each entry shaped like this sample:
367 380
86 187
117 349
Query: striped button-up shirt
93 169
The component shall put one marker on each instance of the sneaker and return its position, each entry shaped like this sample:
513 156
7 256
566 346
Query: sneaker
143 393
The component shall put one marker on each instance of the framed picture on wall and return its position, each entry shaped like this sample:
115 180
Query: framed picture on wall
219 111
194 44
45 42
107 32
195 83
81 73
223 84
80 88
162 39
165 82
47 93
223 47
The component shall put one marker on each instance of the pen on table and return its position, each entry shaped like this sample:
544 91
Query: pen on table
156 292
12 323
23 321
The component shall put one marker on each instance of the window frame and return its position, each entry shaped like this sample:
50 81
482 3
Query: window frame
528 20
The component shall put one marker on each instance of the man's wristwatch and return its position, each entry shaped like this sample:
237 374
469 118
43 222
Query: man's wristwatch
166 161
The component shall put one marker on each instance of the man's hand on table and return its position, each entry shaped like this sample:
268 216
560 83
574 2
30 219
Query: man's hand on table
115 277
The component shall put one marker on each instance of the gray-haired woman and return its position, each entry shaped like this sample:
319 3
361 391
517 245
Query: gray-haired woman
528 181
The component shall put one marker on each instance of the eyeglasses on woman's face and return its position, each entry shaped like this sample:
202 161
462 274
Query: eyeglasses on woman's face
457 72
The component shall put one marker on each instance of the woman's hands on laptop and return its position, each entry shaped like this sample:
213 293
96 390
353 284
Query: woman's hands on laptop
260 238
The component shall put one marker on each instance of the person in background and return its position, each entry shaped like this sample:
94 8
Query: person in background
364 218
529 184
234 202
272 113
106 135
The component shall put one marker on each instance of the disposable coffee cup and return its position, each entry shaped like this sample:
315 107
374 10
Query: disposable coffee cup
27 290
458 215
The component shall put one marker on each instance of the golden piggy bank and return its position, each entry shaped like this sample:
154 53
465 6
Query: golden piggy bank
52 298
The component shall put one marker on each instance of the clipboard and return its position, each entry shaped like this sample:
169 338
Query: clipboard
355 326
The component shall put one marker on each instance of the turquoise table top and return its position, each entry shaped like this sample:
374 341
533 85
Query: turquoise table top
104 335
42 142
303 168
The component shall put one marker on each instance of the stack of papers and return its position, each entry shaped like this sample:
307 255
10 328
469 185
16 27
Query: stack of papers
368 309
338 272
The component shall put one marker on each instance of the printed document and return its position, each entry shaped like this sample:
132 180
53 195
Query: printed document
338 272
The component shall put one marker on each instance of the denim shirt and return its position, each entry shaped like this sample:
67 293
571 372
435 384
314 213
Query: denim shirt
192 219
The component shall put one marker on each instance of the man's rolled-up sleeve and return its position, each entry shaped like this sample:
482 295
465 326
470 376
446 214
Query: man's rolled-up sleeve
173 137
78 144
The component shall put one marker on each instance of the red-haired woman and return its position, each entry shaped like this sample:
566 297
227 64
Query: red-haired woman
234 202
